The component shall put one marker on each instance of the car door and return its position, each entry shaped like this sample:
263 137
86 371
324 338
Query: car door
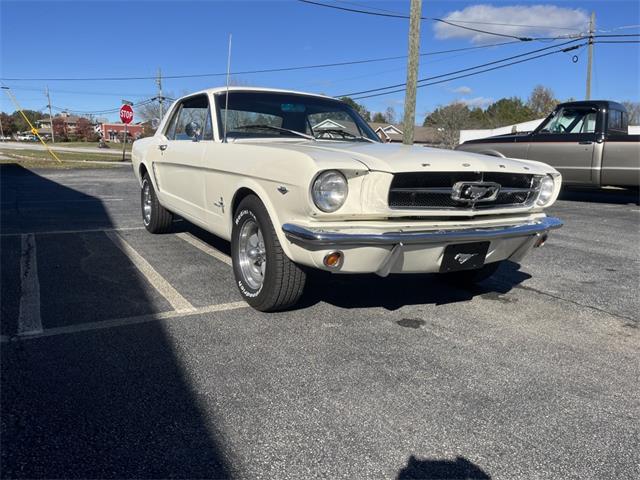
566 142
179 163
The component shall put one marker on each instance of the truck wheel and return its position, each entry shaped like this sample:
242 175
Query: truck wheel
155 217
468 278
266 278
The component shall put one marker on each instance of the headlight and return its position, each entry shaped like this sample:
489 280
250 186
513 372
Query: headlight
329 190
547 187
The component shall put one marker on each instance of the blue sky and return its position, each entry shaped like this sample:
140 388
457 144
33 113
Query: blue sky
134 38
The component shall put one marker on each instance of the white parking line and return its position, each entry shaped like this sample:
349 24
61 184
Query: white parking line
29 321
66 232
205 247
177 301
119 322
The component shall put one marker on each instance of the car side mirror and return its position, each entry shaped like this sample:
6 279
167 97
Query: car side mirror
192 130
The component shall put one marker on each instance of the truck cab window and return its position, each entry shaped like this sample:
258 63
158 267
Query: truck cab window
571 120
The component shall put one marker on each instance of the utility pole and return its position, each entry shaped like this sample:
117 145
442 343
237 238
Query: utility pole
412 72
53 140
1 131
160 97
592 28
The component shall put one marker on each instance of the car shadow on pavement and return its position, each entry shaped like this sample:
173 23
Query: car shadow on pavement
600 195
397 291
101 403
458 469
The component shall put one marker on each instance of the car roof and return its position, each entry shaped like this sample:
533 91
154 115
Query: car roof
216 90
599 104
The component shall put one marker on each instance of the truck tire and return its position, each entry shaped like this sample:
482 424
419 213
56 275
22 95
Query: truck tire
267 279
155 217
468 278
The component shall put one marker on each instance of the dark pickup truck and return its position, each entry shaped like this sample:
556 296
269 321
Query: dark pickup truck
587 142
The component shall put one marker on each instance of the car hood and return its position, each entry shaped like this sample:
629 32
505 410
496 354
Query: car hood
395 158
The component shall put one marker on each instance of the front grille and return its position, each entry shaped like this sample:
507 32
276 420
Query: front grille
433 190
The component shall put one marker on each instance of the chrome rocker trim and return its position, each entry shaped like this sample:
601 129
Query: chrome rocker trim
318 237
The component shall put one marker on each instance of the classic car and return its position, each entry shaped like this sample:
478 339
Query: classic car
299 181
588 142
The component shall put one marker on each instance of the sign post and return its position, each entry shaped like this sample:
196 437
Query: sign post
126 117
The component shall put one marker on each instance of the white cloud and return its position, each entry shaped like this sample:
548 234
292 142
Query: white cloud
520 20
477 102
462 90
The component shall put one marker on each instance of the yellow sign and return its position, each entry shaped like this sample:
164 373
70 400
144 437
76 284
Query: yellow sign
34 131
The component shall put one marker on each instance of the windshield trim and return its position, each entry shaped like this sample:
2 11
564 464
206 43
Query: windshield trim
361 123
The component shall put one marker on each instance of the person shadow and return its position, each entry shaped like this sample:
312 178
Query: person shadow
429 469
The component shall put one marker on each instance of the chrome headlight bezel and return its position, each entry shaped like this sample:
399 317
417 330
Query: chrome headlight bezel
329 190
546 191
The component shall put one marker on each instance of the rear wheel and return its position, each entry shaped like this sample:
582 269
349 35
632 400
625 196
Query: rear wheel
471 277
155 217
267 279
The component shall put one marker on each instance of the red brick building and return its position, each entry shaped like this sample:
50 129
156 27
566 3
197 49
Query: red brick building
114 132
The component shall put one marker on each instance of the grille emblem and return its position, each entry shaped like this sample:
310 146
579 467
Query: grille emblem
475 192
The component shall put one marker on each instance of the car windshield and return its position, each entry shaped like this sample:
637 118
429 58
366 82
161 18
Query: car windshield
278 115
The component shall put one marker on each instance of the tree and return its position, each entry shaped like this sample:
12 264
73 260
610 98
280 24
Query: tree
542 101
60 131
448 121
633 112
390 115
21 124
84 130
8 124
508 111
379 117
361 109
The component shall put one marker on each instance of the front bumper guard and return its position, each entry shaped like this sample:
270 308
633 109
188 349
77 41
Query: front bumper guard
318 237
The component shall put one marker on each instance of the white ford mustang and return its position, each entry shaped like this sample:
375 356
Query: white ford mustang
298 181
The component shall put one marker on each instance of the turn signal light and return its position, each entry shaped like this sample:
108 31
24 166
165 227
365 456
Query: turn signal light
333 259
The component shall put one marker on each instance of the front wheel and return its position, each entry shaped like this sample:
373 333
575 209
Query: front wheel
155 217
468 278
267 279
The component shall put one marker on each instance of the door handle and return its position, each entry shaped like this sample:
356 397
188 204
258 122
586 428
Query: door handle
162 147
585 143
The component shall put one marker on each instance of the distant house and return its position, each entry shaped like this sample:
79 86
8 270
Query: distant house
114 132
390 133
70 123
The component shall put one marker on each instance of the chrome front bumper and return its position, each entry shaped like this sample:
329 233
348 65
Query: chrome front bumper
318 237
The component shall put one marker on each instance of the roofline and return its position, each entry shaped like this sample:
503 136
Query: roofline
216 90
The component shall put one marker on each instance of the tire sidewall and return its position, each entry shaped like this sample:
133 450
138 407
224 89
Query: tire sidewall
145 181
252 209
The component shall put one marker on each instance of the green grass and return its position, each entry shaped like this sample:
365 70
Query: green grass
113 147
41 158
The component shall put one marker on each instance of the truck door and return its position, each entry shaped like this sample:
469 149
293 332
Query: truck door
566 142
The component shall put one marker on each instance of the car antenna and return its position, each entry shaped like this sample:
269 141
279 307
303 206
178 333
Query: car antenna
226 102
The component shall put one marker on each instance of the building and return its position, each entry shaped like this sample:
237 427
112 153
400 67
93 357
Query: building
70 123
114 132
390 133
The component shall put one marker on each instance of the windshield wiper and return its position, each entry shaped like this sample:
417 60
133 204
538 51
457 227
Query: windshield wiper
345 135
277 129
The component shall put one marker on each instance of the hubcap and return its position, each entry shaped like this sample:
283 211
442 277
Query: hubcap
252 254
146 203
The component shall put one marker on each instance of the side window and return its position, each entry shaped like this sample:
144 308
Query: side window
170 131
194 109
617 121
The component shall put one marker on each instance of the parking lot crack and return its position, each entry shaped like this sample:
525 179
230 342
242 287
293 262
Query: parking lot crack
632 322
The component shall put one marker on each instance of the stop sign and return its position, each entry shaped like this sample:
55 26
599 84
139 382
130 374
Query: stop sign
126 114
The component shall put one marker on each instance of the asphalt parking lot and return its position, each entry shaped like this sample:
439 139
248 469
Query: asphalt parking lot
128 355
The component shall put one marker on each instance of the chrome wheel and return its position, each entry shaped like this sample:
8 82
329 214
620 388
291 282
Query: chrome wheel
251 254
146 202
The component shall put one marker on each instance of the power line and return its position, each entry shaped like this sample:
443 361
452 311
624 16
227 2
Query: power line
464 69
435 19
268 70
475 22
564 50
